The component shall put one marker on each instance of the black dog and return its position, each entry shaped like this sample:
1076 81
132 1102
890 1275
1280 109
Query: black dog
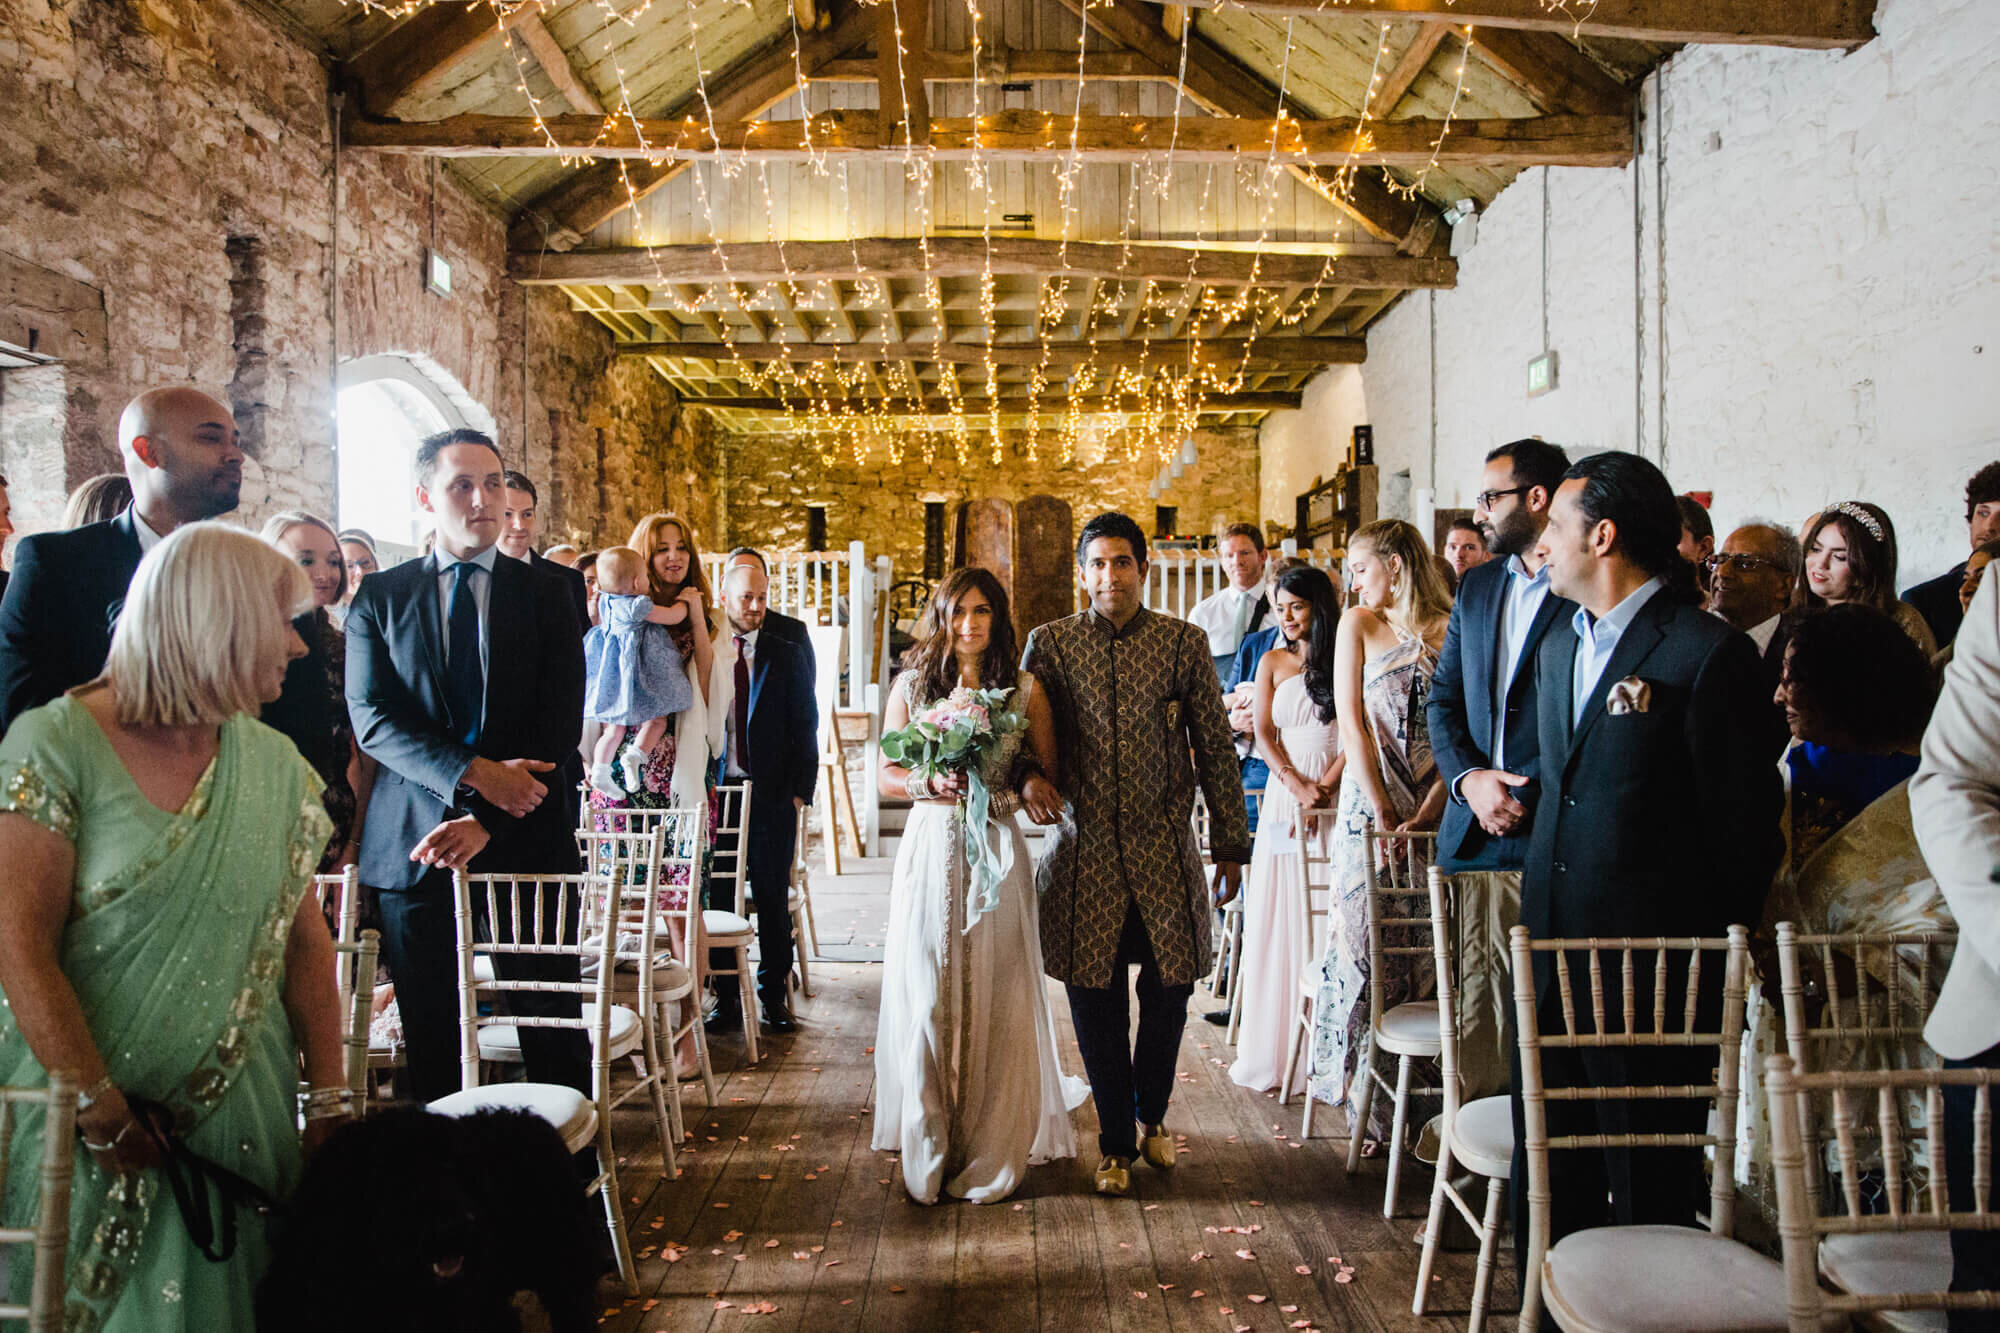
413 1221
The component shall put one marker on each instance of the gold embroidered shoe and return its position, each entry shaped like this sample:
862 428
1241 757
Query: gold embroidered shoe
1157 1147
1114 1176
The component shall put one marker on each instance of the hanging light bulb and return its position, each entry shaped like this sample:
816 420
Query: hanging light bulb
1176 469
1187 452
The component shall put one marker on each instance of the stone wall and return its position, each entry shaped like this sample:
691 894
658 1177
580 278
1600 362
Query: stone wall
1827 294
770 479
176 157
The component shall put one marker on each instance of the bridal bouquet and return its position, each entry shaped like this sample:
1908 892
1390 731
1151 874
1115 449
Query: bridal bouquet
954 735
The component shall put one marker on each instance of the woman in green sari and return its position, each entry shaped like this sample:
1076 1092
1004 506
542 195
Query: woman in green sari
157 935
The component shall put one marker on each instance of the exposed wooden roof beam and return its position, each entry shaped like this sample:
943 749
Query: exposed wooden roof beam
1330 300
562 216
1223 86
1059 356
901 30
414 57
1408 66
1029 136
1214 403
1004 65
526 23
1806 23
1552 72
966 256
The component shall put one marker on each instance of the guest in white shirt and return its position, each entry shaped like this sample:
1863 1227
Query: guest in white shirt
1240 608
1750 584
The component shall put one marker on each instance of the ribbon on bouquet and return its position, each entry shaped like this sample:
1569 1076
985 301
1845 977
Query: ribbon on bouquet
987 866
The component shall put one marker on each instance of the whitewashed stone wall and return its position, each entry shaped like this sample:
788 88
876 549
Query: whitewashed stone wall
1831 295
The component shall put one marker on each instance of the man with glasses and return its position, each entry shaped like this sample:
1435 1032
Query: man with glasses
1750 583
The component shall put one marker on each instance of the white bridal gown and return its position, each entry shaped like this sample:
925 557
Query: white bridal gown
1274 904
968 1087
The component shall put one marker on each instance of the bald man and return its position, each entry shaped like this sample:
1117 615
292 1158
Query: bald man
183 460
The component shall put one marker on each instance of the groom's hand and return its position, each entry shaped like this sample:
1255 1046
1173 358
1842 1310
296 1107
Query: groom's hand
1228 879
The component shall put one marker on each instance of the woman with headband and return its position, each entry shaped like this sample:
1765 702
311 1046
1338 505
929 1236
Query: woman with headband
1851 557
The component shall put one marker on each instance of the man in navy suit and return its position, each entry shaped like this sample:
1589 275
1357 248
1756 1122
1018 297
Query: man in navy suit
465 682
184 463
520 521
1482 705
772 738
1658 817
776 623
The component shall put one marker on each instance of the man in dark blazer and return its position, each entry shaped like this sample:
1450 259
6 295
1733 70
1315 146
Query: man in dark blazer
465 682
1658 817
1937 599
1483 705
520 523
1750 585
185 465
789 628
772 732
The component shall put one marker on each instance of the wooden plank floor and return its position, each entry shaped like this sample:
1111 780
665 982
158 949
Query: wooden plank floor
783 1217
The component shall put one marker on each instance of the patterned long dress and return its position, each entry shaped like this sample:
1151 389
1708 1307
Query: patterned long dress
1394 688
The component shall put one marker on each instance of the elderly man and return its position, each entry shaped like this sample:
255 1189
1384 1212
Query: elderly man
1230 613
1134 694
184 464
1750 584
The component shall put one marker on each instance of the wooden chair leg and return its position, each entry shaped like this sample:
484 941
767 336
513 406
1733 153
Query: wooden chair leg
746 990
614 1212
1398 1124
799 952
1291 1062
1433 1228
812 927
654 1075
701 1053
1235 1007
829 827
1489 1242
1362 1076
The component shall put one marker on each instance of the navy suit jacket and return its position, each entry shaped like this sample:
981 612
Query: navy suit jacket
1937 601
1244 668
396 696
783 739
569 581
59 609
1462 708
1662 822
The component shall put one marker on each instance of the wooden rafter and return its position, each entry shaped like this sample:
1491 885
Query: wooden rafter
1552 72
526 24
1275 351
1804 23
1415 58
1211 405
1003 64
901 27
561 217
1028 136
1222 86
416 55
968 256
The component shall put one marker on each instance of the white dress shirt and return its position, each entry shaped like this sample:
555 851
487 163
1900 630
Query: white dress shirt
1761 634
1225 616
748 651
148 538
1519 605
1597 638
482 594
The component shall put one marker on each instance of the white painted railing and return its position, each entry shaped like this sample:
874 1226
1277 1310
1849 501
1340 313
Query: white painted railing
1177 580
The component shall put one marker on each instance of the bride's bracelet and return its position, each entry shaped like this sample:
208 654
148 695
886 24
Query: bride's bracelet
327 1103
918 785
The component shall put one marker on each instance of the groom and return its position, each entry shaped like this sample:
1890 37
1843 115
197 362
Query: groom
1132 692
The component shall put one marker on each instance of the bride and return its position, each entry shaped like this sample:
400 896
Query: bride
967 1084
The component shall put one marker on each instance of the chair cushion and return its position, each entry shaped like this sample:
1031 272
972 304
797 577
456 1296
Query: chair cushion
573 1114
1483 1137
670 980
1410 1029
717 922
1660 1279
1872 1265
501 1042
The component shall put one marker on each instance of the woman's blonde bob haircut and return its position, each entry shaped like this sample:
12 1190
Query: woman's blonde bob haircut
207 609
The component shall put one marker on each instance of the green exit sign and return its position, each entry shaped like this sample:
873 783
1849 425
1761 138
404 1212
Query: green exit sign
1542 375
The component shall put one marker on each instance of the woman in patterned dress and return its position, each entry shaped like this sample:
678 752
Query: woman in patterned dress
1384 657
969 1089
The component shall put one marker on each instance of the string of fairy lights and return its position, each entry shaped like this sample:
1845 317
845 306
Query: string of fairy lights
1152 405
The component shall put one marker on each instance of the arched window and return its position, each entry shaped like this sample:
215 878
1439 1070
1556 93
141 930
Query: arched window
384 408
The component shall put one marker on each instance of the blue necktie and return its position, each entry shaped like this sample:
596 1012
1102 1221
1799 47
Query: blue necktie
465 679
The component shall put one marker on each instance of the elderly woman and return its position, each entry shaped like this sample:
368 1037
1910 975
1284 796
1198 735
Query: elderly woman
157 935
349 775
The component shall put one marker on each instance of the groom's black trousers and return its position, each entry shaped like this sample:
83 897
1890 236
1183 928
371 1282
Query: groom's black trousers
1130 1081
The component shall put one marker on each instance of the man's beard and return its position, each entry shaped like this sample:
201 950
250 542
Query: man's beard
1514 535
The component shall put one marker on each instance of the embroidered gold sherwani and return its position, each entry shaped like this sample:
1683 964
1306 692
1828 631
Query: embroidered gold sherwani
1129 706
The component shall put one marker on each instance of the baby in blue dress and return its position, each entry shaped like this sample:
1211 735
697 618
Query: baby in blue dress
636 677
